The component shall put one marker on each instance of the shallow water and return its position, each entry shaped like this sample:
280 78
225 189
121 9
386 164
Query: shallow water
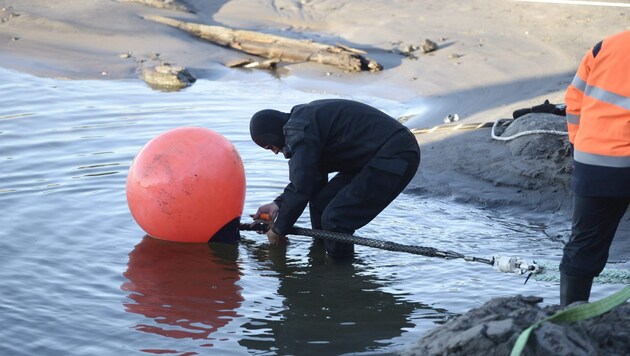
79 277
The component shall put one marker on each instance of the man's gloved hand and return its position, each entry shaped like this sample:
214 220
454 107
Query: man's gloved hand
266 214
271 210
275 239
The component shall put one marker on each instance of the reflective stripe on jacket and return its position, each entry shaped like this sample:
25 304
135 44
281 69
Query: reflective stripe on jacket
598 105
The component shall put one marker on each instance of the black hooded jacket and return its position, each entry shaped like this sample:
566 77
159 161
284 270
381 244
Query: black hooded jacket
326 136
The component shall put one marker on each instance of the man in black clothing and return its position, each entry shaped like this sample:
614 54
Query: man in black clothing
374 155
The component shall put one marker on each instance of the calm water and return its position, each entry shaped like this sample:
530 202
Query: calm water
79 277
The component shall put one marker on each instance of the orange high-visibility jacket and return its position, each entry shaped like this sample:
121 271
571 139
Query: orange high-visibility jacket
598 105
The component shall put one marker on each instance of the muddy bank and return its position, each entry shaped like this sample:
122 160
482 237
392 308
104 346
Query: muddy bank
529 175
493 328
531 171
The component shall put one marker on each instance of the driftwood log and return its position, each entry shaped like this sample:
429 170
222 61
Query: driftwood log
277 47
161 4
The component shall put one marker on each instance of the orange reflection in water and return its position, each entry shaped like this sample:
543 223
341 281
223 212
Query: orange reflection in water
189 290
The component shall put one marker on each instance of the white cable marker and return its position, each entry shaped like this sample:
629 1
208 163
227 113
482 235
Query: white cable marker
576 2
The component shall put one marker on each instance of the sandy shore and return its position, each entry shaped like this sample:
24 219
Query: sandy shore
493 57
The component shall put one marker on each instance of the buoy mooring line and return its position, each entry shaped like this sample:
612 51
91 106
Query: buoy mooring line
505 264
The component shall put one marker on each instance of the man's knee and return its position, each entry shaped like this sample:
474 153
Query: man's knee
337 220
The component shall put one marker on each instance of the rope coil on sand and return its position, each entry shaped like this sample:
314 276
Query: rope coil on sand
522 133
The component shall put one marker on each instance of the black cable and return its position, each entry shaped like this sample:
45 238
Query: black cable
364 241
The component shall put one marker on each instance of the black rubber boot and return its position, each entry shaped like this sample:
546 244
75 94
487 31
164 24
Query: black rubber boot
574 289
339 250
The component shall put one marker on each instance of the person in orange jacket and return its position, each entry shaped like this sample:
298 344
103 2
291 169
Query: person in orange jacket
598 121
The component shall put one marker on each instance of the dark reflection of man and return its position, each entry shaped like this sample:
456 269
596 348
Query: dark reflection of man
330 308
189 290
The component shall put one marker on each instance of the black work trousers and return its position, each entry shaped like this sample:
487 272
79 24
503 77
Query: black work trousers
351 200
595 222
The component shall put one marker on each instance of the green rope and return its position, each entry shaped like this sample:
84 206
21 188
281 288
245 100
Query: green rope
607 276
576 313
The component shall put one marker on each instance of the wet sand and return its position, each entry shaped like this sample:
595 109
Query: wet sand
493 56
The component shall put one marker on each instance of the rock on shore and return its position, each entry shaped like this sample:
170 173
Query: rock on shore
493 329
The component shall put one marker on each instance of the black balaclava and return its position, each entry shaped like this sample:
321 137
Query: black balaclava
266 128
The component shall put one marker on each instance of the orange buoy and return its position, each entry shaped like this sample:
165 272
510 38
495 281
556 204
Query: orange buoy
186 184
